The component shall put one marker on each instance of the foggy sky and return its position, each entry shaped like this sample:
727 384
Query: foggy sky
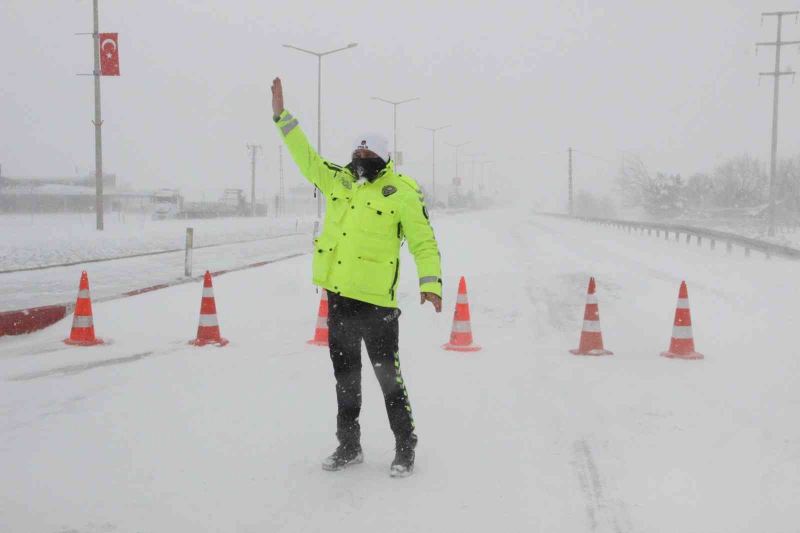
675 82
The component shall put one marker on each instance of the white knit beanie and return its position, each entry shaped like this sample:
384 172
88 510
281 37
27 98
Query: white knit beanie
374 142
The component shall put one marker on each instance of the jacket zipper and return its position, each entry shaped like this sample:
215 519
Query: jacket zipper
394 281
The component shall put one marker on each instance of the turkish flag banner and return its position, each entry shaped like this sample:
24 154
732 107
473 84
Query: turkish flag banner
109 55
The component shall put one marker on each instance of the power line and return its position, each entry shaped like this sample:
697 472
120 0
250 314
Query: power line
594 156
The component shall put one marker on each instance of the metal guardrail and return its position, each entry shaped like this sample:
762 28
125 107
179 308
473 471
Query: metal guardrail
713 236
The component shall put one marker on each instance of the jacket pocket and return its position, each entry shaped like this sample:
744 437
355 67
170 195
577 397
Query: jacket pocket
379 217
324 249
373 277
336 206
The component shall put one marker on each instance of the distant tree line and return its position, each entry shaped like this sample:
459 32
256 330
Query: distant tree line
737 183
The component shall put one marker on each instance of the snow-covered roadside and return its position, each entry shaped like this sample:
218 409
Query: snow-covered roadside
40 240
23 290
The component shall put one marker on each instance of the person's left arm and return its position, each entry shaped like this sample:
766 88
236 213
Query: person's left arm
423 246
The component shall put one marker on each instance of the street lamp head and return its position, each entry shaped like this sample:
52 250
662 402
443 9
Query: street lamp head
459 145
394 103
352 45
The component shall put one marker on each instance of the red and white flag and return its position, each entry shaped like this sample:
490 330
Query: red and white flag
109 55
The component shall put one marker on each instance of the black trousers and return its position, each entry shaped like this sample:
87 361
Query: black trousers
350 321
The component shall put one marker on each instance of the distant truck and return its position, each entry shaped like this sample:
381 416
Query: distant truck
233 202
168 204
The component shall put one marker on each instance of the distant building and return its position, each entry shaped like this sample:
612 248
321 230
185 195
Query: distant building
68 195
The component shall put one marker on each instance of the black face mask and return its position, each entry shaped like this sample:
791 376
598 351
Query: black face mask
368 167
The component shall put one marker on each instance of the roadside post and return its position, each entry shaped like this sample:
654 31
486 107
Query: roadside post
189 245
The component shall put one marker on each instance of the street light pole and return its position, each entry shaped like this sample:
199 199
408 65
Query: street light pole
474 161
395 104
482 183
253 149
319 55
433 157
457 147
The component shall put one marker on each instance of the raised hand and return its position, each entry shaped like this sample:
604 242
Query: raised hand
277 97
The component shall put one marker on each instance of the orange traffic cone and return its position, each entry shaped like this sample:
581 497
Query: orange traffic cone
82 333
208 329
321 331
591 337
461 335
682 344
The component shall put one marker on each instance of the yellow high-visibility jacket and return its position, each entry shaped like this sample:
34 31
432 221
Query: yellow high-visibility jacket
357 254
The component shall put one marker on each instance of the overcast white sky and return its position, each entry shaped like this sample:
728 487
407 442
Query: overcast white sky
673 81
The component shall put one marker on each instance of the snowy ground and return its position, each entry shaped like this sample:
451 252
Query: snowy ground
22 290
49 239
149 434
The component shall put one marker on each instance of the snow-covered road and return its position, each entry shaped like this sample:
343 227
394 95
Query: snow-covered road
149 434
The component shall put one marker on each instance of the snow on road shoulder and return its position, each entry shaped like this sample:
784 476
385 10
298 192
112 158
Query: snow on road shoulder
22 290
48 239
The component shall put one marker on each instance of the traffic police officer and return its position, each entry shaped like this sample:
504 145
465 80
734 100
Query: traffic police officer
370 211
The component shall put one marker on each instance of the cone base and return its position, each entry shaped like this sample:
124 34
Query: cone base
94 342
203 342
456 348
690 355
315 342
598 351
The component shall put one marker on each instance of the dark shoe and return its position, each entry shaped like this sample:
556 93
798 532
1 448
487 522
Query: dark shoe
403 464
344 456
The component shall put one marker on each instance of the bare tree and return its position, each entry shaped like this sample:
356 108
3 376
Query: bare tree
634 182
740 182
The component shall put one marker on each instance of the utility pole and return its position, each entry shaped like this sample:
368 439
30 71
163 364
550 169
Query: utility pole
281 198
254 148
395 104
433 158
776 74
98 118
569 183
98 124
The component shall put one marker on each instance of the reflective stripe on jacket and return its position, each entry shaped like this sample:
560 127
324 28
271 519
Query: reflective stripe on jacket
357 254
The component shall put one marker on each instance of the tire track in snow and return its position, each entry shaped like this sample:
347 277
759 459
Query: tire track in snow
545 299
602 514
81 367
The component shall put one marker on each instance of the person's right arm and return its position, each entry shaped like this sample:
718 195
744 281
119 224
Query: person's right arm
316 169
